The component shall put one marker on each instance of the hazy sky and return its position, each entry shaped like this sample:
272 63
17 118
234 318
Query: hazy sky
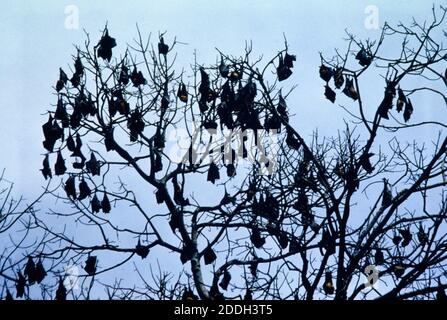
36 42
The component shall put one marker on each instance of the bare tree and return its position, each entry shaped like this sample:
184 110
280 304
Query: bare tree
361 215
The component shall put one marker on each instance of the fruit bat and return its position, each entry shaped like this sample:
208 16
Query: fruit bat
61 292
379 258
366 163
225 280
71 146
182 93
124 76
93 166
283 240
282 70
328 286
213 173
96 204
209 255
162 47
231 170
289 59
327 242
59 167
30 271
204 87
406 235
52 132
401 100
187 252
364 58
70 188
236 75
292 142
46 170
105 45
387 102
397 239
159 139
178 194
399 270
160 196
84 190
408 111
422 236
141 250
329 93
350 90
387 196
90 265
338 78
105 204
62 80
76 79
75 119
137 78
223 68
20 285
326 73
256 238
79 68
40 272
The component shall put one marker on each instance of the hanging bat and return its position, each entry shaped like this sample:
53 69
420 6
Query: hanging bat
46 170
105 204
329 93
209 255
70 188
141 250
90 265
326 72
162 47
59 167
84 190
105 45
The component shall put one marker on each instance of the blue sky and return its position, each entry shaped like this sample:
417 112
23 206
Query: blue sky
36 43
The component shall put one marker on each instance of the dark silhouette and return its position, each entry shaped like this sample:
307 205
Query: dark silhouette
300 219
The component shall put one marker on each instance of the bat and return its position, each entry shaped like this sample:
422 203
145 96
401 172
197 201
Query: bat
46 170
93 166
364 58
328 286
105 204
96 204
105 45
213 173
90 265
329 93
59 167
225 280
209 255
84 190
326 72
162 47
61 292
70 187
141 250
